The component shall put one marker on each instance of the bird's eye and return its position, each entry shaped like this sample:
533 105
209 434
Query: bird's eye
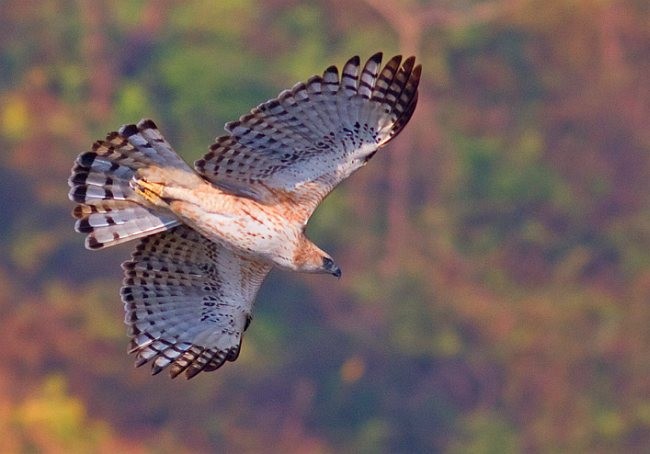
327 262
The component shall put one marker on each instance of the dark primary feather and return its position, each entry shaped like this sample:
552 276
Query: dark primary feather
308 139
187 301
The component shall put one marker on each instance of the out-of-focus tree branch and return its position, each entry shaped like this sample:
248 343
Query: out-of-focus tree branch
409 21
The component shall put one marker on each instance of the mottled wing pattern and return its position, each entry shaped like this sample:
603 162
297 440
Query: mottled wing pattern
188 301
300 145
108 209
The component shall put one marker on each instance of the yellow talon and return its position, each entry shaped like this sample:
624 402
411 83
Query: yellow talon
151 192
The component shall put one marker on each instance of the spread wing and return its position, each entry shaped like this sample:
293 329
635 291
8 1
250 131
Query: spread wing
300 145
188 301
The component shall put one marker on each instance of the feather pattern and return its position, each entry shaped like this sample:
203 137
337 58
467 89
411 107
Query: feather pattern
109 210
188 301
310 138
209 236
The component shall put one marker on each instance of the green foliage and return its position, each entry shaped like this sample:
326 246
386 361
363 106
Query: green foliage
496 275
52 420
482 433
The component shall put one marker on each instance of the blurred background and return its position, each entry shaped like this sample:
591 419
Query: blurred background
496 286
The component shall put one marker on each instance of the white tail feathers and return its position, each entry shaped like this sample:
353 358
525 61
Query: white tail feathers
109 211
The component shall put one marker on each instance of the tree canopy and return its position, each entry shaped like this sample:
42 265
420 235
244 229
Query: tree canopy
496 289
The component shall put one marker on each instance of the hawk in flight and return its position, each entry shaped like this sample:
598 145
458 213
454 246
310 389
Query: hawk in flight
208 235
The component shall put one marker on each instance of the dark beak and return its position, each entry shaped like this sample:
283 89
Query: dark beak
330 267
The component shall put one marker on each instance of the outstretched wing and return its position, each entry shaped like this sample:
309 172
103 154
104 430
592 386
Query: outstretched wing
300 145
188 301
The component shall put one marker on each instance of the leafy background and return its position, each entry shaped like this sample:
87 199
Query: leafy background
496 289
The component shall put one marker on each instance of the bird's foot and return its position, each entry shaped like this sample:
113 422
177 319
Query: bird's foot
150 191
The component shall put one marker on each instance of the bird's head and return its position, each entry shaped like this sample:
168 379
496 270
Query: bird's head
309 258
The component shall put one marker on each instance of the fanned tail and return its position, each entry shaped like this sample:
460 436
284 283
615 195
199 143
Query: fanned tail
109 211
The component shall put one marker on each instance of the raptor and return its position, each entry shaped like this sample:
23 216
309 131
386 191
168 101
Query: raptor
208 235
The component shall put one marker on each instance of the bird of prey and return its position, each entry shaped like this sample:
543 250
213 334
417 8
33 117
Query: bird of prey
208 235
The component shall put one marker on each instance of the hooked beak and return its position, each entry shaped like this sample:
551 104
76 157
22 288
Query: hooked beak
331 267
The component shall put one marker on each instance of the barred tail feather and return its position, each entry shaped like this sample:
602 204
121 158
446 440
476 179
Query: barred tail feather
115 222
109 210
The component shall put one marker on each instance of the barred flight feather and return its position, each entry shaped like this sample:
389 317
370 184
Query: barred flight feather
208 236
318 132
187 301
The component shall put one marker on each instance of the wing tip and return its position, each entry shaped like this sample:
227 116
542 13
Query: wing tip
353 61
146 123
409 62
128 130
376 57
